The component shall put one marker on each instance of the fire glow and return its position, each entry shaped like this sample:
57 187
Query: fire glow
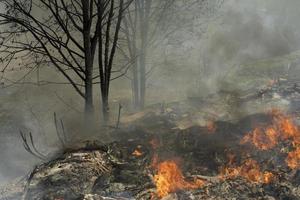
211 126
169 178
137 153
249 170
282 129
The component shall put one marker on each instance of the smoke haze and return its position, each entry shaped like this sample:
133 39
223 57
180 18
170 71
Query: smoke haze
197 61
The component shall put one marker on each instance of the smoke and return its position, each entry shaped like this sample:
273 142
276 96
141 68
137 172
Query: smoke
205 59
246 33
242 33
30 108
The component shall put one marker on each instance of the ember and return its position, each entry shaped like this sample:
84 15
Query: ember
137 153
169 178
249 170
211 126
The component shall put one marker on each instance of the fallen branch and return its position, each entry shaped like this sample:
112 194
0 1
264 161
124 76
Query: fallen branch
30 176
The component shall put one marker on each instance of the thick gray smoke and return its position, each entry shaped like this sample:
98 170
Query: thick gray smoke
243 36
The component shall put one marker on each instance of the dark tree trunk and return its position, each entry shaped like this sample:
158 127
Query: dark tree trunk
105 107
89 107
144 7
89 57
107 50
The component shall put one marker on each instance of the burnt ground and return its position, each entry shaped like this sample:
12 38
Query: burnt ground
111 171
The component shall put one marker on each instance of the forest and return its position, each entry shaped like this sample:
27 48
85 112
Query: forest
149 99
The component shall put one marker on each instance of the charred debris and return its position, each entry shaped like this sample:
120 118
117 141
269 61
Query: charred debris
162 153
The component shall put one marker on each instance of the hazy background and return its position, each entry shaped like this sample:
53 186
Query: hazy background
191 62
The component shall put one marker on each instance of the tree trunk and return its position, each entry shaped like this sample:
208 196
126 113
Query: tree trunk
142 79
105 107
135 86
106 60
144 15
142 67
89 107
89 58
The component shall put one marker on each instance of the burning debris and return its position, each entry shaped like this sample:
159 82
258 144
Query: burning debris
169 179
216 144
281 130
137 153
232 163
211 126
249 170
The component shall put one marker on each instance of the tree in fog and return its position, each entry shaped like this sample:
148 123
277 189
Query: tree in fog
108 46
146 24
63 34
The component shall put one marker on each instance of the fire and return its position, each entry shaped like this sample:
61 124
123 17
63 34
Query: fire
137 153
281 129
249 170
293 159
211 126
169 178
268 177
261 138
288 129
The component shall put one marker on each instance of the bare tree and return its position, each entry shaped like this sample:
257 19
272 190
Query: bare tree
107 46
64 34
146 24
58 33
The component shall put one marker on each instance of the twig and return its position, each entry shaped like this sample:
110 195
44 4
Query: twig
119 116
58 132
63 130
31 149
33 145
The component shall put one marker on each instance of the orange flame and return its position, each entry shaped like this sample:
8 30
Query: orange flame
293 159
263 139
249 170
211 126
137 153
282 128
169 178
288 129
